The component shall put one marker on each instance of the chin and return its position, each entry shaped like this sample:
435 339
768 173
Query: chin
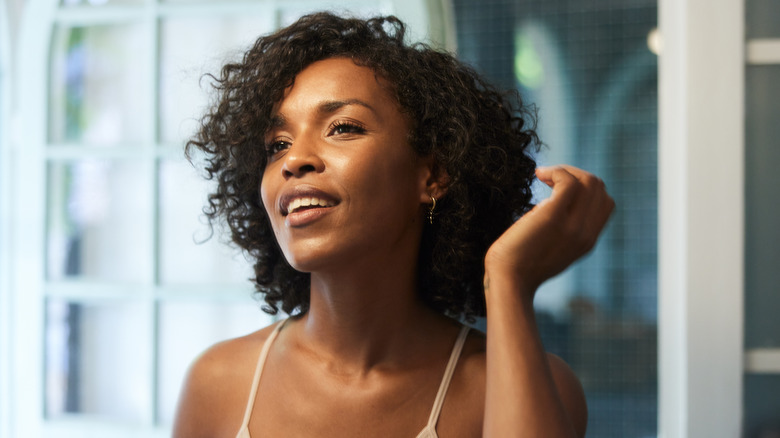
307 259
316 257
301 265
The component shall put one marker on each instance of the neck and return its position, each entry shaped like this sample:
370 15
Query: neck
366 318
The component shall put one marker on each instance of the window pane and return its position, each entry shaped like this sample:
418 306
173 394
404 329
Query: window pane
190 48
289 13
97 85
186 257
762 209
762 406
98 359
762 18
588 67
99 215
99 2
181 339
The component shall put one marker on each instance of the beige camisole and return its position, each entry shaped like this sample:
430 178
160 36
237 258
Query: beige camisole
429 431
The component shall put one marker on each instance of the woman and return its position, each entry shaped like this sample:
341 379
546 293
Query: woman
377 186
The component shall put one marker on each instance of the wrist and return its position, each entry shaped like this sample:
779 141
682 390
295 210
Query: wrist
504 288
517 272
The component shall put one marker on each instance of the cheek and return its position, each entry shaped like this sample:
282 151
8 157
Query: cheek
394 181
265 195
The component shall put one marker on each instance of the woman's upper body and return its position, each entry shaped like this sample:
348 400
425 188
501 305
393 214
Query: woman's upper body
326 176
295 399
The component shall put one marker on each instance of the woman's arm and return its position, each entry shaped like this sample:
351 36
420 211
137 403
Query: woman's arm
528 392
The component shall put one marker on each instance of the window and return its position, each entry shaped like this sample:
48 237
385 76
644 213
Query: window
762 240
590 71
116 287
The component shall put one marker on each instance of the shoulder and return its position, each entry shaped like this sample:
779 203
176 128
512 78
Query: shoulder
472 359
470 370
468 386
570 391
216 388
464 405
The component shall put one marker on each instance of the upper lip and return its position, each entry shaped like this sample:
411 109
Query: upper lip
303 191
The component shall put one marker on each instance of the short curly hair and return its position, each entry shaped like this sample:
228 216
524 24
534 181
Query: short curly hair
480 138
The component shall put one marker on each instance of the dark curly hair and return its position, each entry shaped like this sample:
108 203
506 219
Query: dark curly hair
479 138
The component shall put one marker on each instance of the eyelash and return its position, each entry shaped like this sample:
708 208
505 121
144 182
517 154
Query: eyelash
353 128
277 145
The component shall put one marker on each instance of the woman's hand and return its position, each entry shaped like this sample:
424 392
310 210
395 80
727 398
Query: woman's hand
528 392
555 233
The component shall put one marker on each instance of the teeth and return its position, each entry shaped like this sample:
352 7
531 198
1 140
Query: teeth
306 202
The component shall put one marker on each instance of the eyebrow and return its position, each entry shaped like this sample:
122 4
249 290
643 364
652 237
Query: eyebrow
334 105
326 107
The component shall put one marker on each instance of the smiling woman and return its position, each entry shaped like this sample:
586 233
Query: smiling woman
340 118
376 185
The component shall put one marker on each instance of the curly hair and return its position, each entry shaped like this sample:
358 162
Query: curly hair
478 136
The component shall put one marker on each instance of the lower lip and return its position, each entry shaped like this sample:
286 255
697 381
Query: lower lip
305 217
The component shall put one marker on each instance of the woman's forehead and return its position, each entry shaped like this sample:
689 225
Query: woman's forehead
337 80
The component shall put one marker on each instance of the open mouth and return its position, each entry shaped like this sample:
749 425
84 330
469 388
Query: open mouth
306 203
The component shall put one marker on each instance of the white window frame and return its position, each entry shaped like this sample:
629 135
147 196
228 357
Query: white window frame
27 241
23 319
701 169
5 222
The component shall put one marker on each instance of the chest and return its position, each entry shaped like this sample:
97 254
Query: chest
300 403
296 399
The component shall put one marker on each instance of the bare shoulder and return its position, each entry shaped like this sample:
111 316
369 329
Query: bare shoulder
473 356
473 367
571 392
216 387
464 405
467 392
470 371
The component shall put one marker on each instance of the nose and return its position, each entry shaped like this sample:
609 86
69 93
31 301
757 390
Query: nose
301 158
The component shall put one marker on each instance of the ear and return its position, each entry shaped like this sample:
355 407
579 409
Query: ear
433 181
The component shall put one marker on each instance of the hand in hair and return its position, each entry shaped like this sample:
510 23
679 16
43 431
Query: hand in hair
556 232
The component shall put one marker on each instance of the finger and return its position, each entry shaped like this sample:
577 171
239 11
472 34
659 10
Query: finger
563 184
590 208
608 208
597 218
599 205
544 174
575 171
594 207
593 191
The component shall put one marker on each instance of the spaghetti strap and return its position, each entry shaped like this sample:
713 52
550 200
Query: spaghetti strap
430 429
244 430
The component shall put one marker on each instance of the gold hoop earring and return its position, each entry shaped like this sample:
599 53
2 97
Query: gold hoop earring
430 210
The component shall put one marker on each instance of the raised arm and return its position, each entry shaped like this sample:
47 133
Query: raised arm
528 392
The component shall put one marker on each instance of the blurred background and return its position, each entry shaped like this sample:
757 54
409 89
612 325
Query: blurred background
110 285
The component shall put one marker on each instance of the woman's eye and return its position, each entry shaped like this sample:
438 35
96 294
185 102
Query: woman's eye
340 128
276 146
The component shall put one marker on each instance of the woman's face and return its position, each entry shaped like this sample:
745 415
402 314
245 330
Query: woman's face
342 183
